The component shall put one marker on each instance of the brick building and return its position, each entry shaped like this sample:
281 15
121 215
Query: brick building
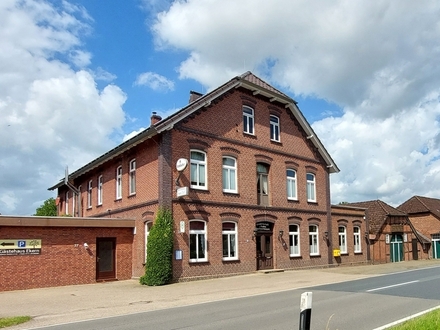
391 235
424 214
244 174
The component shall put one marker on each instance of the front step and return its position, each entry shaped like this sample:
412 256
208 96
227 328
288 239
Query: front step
268 271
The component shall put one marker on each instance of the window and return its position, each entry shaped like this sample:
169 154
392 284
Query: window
229 237
119 182
89 194
357 239
263 184
248 120
148 226
294 240
197 241
132 182
100 190
274 128
311 188
198 169
313 240
342 239
229 175
291 184
67 203
74 197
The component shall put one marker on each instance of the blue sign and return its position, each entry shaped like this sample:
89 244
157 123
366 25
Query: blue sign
21 244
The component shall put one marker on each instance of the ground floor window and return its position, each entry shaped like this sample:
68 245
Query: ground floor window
229 238
342 239
313 240
294 240
197 241
357 239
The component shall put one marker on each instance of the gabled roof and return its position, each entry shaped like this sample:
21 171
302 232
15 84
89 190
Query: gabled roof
419 204
377 213
248 81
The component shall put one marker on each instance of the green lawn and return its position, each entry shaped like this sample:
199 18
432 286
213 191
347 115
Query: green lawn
9 321
428 321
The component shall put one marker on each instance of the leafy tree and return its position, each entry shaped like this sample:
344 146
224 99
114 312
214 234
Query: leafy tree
48 209
159 267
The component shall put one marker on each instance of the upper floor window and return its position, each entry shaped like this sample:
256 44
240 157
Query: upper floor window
313 240
357 239
67 203
100 190
148 226
294 240
229 174
229 238
197 241
132 181
274 128
311 187
89 193
291 184
342 239
248 120
198 169
119 182
263 184
74 197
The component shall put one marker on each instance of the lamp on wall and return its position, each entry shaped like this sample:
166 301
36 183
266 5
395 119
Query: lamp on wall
281 233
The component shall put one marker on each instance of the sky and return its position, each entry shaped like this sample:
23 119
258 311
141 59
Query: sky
78 77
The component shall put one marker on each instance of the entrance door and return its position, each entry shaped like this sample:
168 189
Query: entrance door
436 249
415 249
105 258
396 248
264 251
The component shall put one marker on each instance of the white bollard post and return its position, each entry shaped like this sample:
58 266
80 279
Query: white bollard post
305 315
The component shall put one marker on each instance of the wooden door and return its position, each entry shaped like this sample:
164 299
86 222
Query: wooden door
396 248
264 251
105 258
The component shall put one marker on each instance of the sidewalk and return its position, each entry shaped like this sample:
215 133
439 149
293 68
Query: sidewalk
50 306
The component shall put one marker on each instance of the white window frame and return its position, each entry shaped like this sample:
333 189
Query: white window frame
89 193
311 187
313 240
200 237
275 128
294 236
342 234
229 175
132 177
248 120
199 171
66 206
232 241
74 197
291 183
100 183
119 182
357 239
147 229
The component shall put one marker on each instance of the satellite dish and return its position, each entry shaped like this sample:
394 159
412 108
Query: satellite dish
181 164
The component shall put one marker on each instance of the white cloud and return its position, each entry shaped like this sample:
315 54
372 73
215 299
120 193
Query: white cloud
52 115
154 81
132 134
378 61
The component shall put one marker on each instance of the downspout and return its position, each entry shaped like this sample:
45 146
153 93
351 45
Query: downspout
329 221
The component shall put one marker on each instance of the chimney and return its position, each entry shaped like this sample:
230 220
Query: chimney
155 118
194 96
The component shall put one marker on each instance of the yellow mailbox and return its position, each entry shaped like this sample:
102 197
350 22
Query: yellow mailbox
336 253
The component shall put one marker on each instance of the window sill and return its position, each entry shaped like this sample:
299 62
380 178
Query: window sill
118 199
197 261
249 135
99 205
198 188
295 256
230 192
232 259
276 142
358 252
315 255
292 199
312 202
132 195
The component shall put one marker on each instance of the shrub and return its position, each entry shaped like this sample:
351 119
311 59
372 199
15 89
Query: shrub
158 270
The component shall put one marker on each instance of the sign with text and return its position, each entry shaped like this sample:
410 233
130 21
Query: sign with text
20 247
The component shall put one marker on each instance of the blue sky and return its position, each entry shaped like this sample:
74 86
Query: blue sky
78 76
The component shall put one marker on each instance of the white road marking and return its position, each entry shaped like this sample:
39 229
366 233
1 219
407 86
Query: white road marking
389 325
392 286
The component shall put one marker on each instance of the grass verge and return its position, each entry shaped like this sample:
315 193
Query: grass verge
10 321
428 321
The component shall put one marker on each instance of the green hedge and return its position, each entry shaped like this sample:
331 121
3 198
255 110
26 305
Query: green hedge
158 270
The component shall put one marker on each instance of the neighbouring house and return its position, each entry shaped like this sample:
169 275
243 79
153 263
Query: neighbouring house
391 235
424 214
38 252
245 177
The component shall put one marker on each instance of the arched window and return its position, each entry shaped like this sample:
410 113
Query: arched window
198 169
100 190
342 231
197 241
248 120
291 184
229 174
132 177
148 226
229 238
119 182
274 128
294 240
311 187
357 239
313 240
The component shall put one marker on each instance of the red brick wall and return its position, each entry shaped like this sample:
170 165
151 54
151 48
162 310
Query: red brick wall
427 224
61 262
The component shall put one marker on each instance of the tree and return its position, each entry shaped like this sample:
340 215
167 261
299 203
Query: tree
48 209
159 267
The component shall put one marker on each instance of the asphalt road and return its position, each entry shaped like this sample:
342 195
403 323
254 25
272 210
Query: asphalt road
362 304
